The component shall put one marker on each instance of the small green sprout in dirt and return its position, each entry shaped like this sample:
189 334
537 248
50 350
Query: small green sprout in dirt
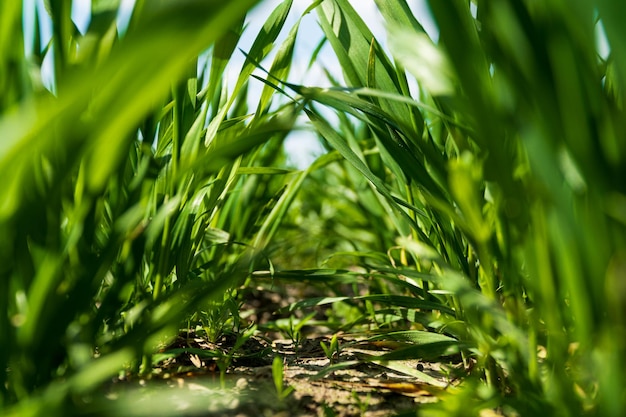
225 361
332 350
221 316
362 403
292 328
282 392
328 410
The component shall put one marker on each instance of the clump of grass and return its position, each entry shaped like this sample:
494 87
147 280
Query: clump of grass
128 203
498 177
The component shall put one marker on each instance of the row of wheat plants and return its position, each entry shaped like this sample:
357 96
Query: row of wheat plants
486 205
493 193
136 194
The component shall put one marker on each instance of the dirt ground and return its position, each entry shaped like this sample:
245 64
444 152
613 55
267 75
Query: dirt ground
352 384
194 377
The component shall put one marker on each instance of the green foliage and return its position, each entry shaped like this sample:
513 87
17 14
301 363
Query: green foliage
282 392
500 175
127 203
332 349
471 202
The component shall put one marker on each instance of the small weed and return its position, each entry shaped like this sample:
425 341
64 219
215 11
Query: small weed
363 404
282 392
292 328
332 350
221 316
328 410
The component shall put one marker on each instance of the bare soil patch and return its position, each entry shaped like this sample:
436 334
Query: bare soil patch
351 384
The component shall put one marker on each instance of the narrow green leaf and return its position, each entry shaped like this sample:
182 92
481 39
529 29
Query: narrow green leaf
264 171
260 48
277 374
395 300
341 146
430 66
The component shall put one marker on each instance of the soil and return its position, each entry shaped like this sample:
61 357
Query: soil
194 377
351 384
